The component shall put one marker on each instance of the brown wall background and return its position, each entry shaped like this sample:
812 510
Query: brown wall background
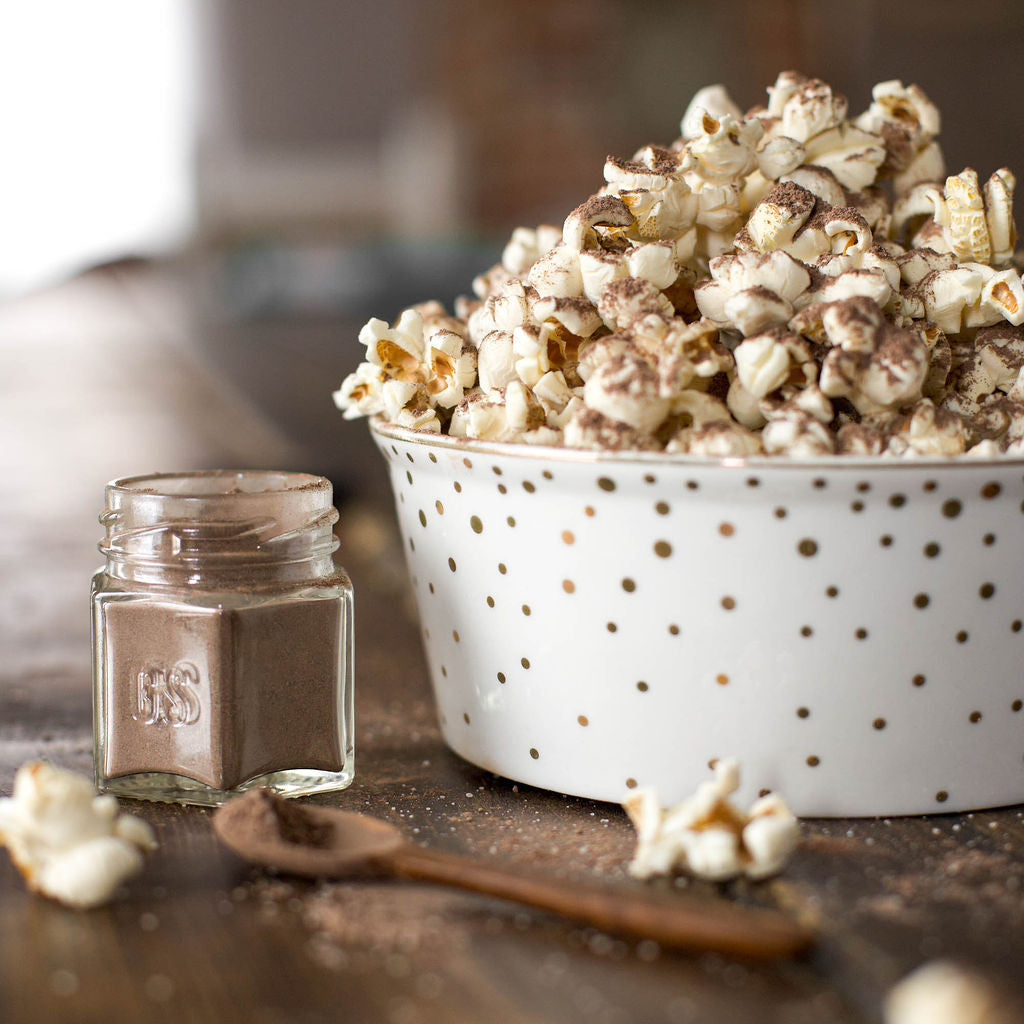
539 91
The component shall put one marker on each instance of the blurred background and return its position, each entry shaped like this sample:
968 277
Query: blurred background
202 200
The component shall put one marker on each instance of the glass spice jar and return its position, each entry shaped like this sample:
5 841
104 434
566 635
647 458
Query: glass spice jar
222 638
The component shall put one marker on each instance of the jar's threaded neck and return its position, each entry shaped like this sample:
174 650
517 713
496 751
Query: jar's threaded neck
189 526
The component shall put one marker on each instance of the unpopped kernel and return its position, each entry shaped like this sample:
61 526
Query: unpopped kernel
792 281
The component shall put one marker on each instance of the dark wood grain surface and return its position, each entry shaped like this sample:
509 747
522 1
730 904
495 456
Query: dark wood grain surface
102 378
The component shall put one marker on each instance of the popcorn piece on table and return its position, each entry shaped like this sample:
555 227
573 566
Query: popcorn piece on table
707 835
69 843
941 992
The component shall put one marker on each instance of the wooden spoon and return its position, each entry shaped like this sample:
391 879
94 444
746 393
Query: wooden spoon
338 844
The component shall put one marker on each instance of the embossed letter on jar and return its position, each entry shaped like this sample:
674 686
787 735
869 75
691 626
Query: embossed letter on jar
222 638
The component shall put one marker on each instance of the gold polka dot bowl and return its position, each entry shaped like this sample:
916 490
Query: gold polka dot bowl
851 630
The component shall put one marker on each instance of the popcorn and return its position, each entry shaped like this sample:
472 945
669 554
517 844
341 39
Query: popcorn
487 284
946 295
723 149
598 268
940 992
579 228
651 185
630 298
963 217
710 430
1002 298
69 843
526 246
708 836
625 388
874 364
867 283
778 155
796 433
995 366
450 366
655 262
512 415
812 114
360 393
1002 231
916 264
775 220
557 273
928 431
750 291
591 430
762 364
818 181
681 352
791 281
576 315
496 361
850 153
719 439
712 101
810 109
975 224
908 123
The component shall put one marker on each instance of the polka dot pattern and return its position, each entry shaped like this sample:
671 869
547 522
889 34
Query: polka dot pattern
820 623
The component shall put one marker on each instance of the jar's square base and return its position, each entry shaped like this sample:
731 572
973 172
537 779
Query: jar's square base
163 787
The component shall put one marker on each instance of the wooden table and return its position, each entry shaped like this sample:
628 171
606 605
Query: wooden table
101 379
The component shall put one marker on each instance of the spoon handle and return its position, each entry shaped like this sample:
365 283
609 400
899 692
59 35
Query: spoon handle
671 920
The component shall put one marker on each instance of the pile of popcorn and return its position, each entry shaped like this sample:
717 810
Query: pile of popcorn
787 281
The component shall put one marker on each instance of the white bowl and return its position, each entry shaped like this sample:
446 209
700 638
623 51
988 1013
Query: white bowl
849 629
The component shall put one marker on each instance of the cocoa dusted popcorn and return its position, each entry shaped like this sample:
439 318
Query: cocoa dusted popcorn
793 281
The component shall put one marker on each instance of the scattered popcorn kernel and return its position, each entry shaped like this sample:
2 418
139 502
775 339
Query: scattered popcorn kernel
707 835
941 992
69 843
